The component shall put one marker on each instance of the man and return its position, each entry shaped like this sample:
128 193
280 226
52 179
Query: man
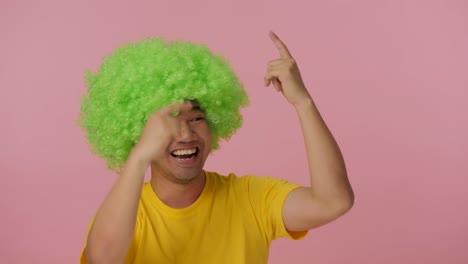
188 215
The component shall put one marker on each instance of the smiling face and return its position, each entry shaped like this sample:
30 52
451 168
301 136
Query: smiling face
186 154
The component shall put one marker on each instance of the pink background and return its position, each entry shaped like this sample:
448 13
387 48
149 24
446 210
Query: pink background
390 78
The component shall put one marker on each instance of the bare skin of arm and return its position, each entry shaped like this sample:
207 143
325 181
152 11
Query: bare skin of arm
330 194
112 231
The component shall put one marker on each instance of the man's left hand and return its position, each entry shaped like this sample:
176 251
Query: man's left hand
284 74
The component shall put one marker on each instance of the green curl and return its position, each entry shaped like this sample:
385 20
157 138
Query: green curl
141 78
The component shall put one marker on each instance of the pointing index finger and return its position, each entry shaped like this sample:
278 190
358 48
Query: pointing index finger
283 50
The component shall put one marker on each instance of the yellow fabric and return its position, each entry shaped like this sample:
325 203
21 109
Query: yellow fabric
233 221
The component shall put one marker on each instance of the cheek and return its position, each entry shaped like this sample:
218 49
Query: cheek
206 134
203 131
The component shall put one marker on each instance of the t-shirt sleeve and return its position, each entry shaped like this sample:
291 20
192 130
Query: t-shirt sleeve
133 246
267 196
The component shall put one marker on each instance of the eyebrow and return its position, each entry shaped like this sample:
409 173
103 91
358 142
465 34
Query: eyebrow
197 109
196 105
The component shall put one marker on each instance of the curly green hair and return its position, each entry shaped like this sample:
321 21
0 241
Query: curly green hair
141 78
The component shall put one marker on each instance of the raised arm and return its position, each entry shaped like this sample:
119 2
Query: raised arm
330 194
113 228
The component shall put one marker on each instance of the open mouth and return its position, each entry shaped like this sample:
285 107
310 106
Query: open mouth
185 154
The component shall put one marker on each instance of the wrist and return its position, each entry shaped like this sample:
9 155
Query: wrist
135 160
304 102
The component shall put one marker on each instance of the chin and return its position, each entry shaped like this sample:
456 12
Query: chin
187 177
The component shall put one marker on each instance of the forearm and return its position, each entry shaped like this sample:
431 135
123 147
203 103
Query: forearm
328 177
112 231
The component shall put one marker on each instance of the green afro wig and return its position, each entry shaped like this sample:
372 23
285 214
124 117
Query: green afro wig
141 78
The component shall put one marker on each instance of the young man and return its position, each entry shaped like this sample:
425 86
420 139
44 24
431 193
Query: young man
188 215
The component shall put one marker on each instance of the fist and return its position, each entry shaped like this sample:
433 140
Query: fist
161 128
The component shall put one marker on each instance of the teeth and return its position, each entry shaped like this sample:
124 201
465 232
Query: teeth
184 151
185 158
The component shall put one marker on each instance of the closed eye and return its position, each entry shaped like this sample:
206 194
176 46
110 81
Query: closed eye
198 118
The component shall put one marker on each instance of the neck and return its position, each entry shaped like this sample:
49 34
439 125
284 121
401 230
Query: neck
177 195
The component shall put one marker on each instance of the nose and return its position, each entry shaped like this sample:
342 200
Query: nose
186 134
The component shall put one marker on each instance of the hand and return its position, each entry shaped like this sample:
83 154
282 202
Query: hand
285 75
160 130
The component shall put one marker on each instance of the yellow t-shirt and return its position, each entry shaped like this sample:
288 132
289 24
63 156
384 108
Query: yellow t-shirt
233 221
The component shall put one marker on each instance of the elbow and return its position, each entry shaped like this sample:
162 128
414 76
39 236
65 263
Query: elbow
345 201
345 204
342 205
